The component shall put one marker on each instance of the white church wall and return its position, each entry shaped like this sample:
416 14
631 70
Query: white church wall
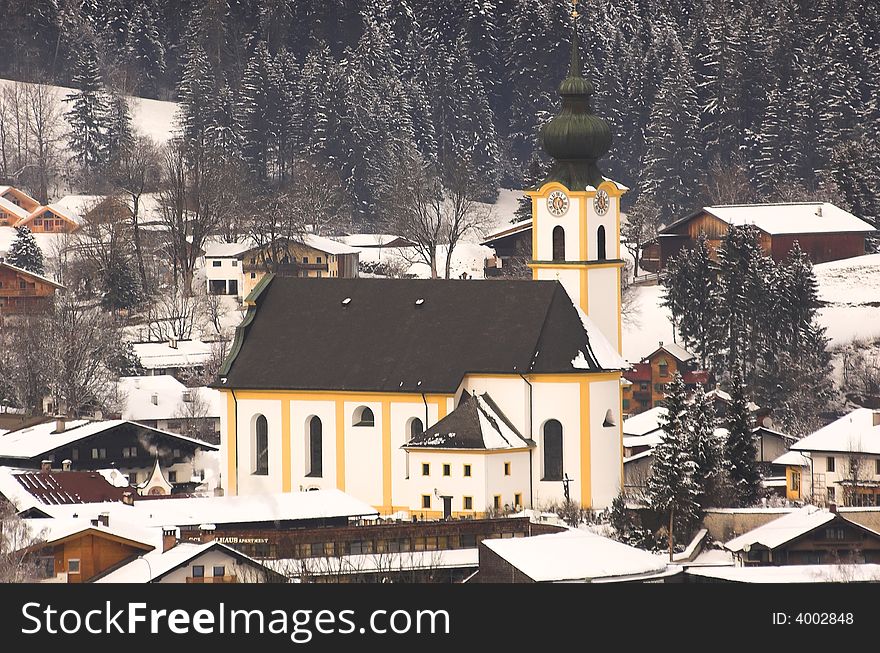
510 393
560 401
248 410
300 414
604 302
363 454
402 415
606 443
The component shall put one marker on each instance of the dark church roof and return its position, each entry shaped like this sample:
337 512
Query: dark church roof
477 423
408 335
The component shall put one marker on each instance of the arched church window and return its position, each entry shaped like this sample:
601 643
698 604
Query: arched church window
600 243
363 416
315 447
558 243
609 419
415 427
552 450
261 446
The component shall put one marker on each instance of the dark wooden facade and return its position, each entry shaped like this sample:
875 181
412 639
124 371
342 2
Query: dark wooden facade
89 553
24 293
820 247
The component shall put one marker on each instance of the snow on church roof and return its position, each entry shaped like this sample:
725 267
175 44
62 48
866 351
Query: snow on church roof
576 555
477 423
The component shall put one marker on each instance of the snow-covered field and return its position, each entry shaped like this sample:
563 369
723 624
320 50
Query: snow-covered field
850 288
153 118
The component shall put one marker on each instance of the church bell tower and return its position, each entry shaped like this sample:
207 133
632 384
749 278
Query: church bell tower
576 211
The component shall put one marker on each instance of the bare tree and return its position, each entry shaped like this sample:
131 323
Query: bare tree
642 224
45 125
18 544
280 223
174 314
727 182
194 413
317 198
136 173
629 300
462 214
197 188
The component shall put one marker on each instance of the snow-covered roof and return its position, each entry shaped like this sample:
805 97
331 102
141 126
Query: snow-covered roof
227 250
369 240
36 440
843 573
169 393
12 208
163 562
186 353
793 458
327 245
317 504
78 204
19 270
371 563
779 531
649 440
508 230
476 423
60 211
791 218
639 456
606 354
52 530
718 393
857 432
644 423
678 351
576 555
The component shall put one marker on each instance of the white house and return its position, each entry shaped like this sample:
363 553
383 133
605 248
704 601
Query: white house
845 461
163 402
224 268
173 356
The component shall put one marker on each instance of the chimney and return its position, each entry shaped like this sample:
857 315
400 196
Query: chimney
206 532
172 342
60 424
819 210
65 464
875 418
46 466
154 398
169 538
832 508
104 519
128 498
218 491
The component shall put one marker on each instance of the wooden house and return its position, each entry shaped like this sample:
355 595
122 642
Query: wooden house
22 291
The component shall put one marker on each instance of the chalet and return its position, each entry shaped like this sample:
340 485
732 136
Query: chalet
91 445
573 556
513 249
809 535
164 403
188 562
236 268
77 550
844 461
650 376
24 292
18 198
11 213
824 231
177 358
50 219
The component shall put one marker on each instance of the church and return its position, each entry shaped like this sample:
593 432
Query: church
448 398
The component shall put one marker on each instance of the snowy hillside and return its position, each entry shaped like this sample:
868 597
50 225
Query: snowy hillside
850 289
153 118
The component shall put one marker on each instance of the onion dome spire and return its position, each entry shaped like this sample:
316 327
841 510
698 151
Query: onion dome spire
576 138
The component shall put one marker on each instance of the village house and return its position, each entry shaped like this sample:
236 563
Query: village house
164 403
649 377
338 371
572 556
844 461
18 209
824 231
809 535
23 292
173 357
512 245
131 448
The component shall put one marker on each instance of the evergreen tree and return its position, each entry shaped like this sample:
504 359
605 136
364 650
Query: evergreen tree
196 97
740 450
25 253
125 362
121 290
532 178
118 137
144 47
88 112
673 164
256 112
706 450
671 487
316 110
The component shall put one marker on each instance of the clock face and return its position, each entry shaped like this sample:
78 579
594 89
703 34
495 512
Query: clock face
557 203
601 202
